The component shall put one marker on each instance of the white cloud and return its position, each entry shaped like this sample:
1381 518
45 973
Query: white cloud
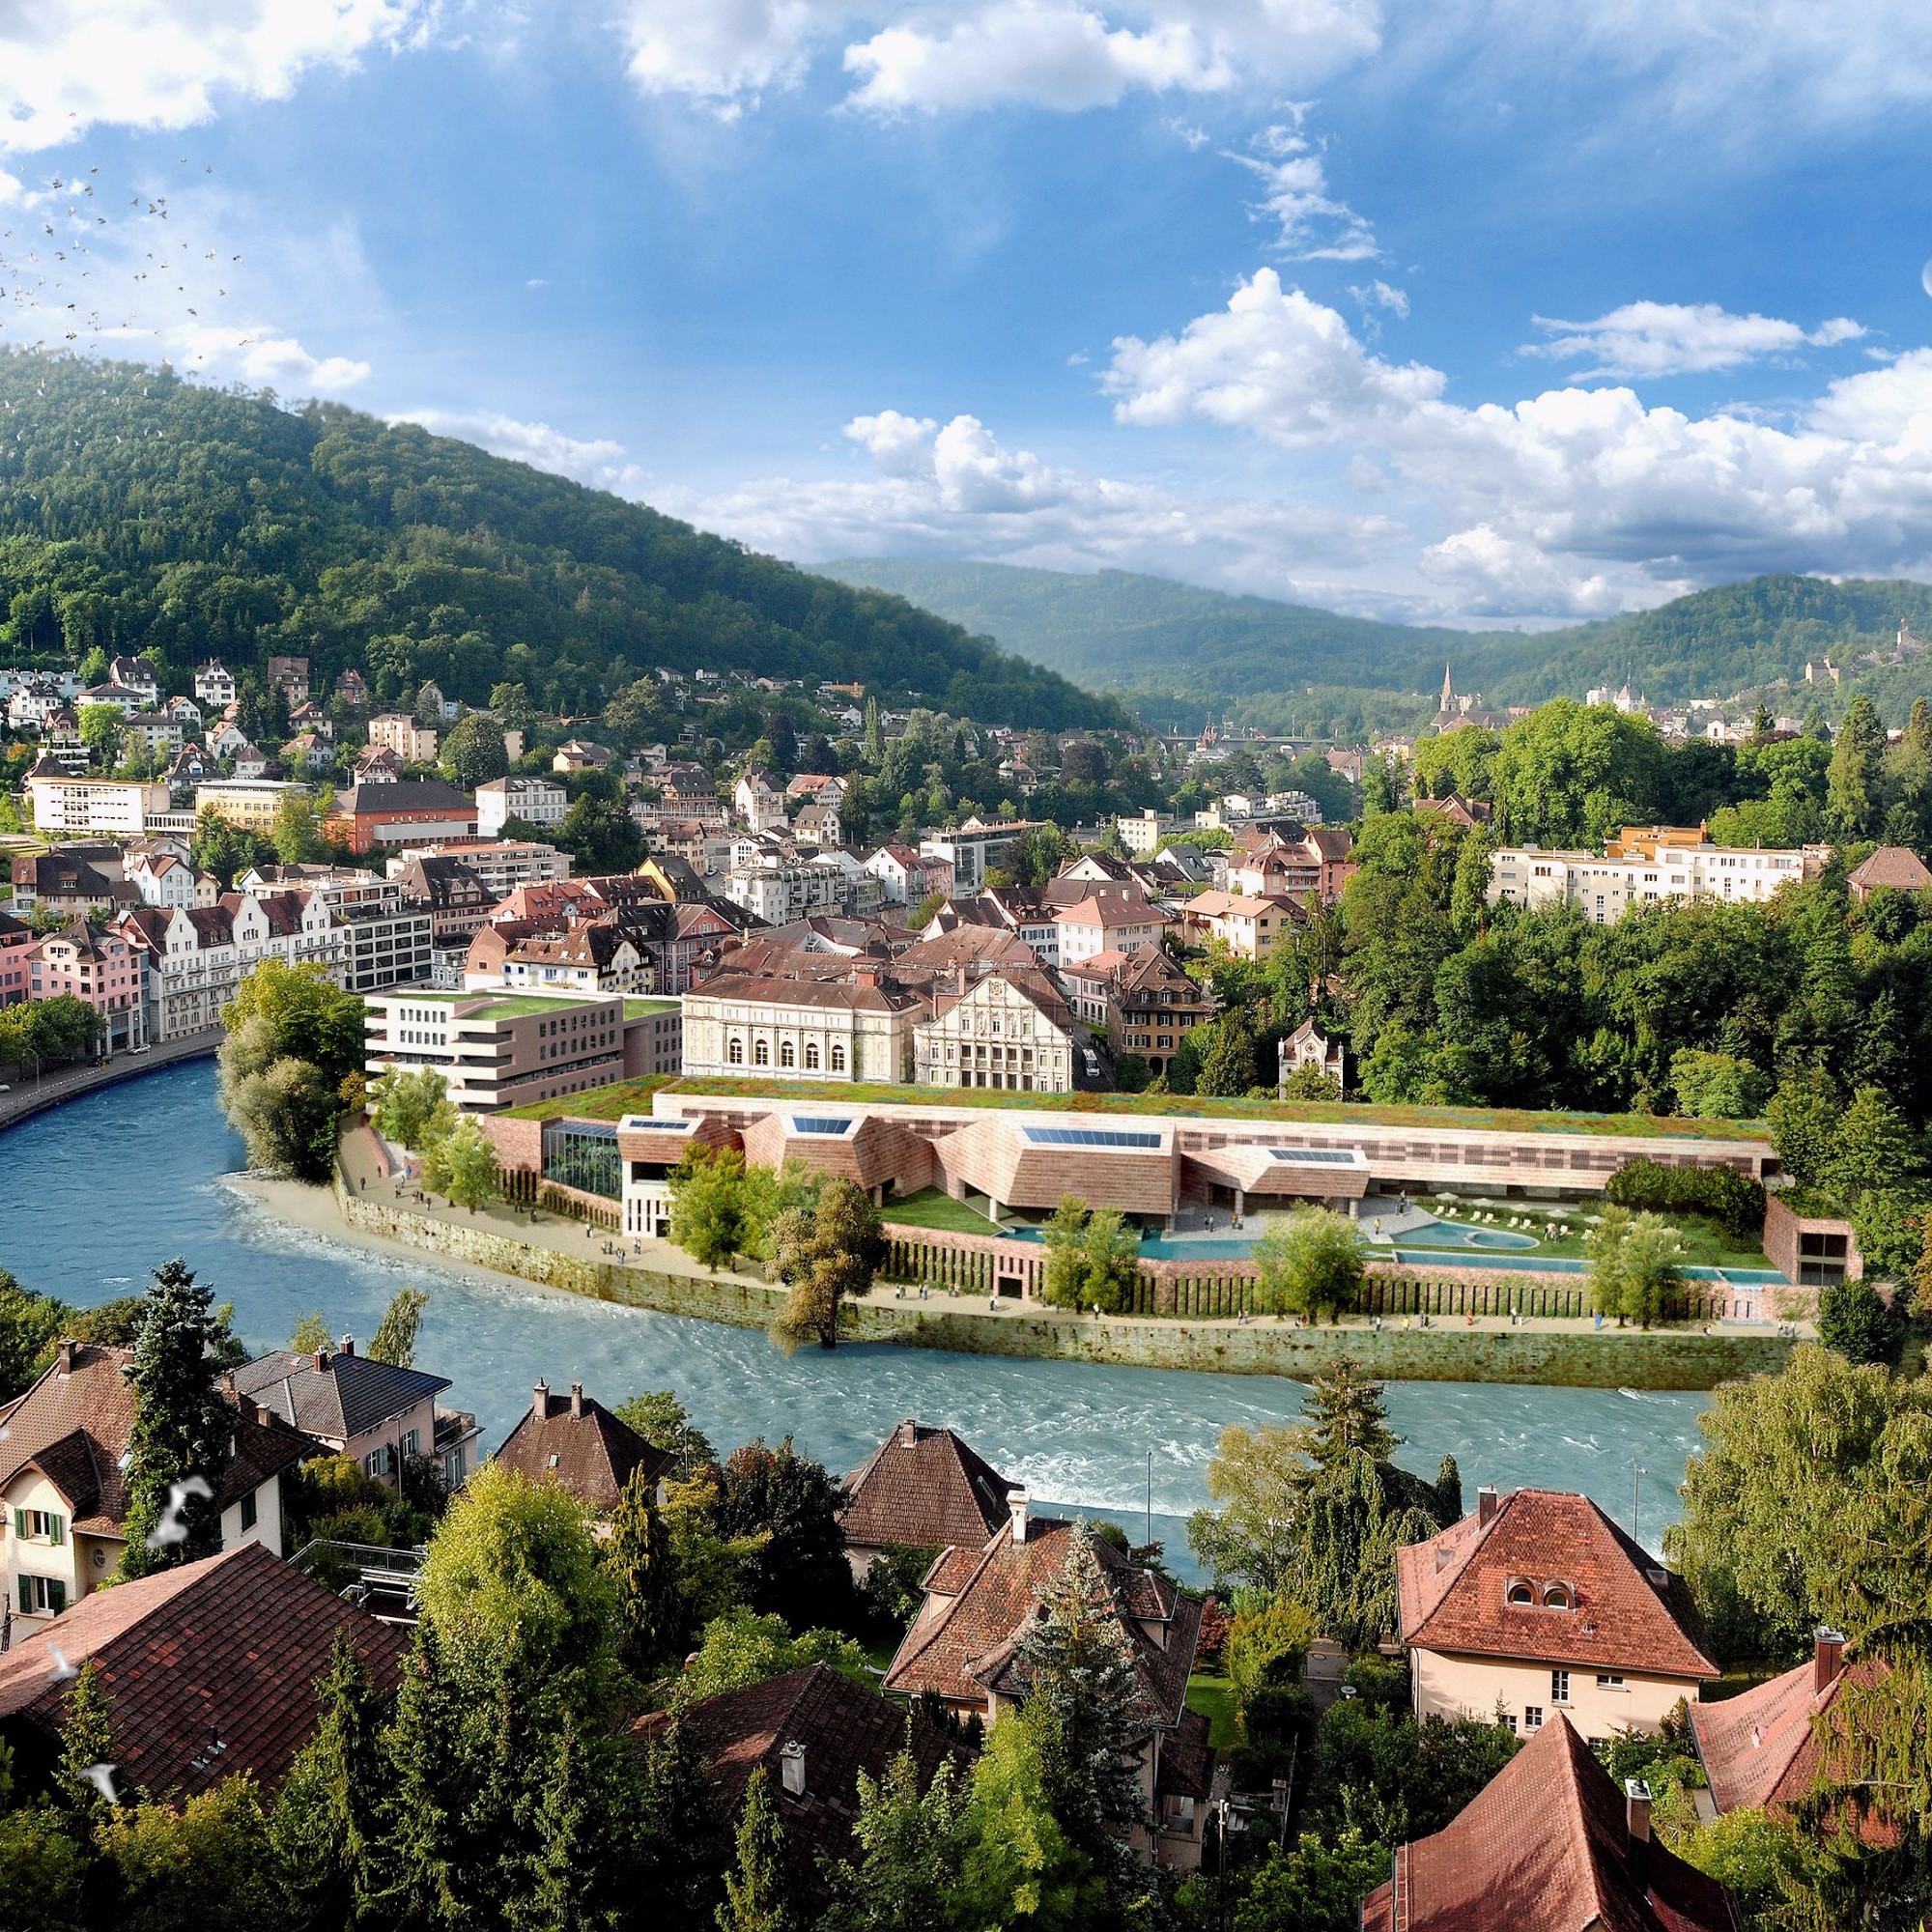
1647 338
598 461
164 63
905 56
1311 224
954 490
1566 498
271 362
1381 295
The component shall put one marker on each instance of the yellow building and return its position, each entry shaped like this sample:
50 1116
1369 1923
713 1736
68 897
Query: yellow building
248 802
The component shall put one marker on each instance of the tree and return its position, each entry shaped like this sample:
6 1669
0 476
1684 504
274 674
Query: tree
1854 785
1093 1258
394 1341
86 1744
1351 1531
1267 1643
297 837
1228 1066
1854 1320
1019 1866
292 1036
415 1108
464 1164
103 732
204 1864
1717 1086
638 1555
322 1822
178 1442
827 1255
1635 1266
758 1889
1260 1477
741 1647
660 1418
1318 1887
1309 1260
707 1204
1874 1148
911 1847
30 1324
1345 1414
472 751
510 703
311 1334
793 1503
1803 1120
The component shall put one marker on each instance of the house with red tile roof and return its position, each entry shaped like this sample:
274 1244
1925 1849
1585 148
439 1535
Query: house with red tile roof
208 1670
1892 866
1548 1845
920 1489
963 1648
576 1442
1537 1605
63 1487
1763 1750
811 1732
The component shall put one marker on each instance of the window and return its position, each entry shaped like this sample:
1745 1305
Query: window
1559 1687
811 1054
1520 1593
43 1594
761 1053
376 1462
839 1059
787 1057
735 1053
411 1439
39 1527
1609 1680
1532 1716
248 1511
1556 1597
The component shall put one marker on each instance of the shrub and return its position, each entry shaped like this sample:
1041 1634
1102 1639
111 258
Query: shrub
1727 1196
1854 1320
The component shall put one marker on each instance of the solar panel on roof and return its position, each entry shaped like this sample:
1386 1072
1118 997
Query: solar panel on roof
1318 1156
1114 1137
819 1124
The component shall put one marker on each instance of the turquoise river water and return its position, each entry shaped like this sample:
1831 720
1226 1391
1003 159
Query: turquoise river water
97 1192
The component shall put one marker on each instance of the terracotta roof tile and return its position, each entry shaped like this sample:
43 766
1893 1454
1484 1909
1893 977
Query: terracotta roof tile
574 1441
1627 1611
230 1648
923 1489
1544 1847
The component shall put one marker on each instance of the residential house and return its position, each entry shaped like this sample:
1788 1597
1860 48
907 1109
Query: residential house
971 848
450 891
1308 1046
215 684
920 1489
1894 866
1010 1030
1144 1002
688 791
532 801
813 1733
251 762
153 733
1250 925
503 865
208 1670
431 701
189 766
64 1482
759 802
1549 1844
1142 831
576 1442
1107 919
82 880
1464 812
1647 866
369 816
594 956
290 676
376 1413
376 764
307 751
898 869
16 940
1304 861
817 824
1537 1604
352 690
225 739
398 733
818 788
31 704
185 713
116 696
579 754
963 1650
100 968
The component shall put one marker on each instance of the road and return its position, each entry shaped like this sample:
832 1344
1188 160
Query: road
28 1096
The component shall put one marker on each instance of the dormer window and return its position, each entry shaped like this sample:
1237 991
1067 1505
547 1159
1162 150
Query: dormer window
1558 1596
1520 1591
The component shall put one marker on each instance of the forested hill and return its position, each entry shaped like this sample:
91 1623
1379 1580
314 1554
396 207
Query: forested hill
1147 637
139 510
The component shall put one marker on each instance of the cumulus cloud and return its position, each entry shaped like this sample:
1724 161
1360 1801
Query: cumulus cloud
955 490
1311 224
1565 499
907 57
272 361
597 460
1647 338
165 63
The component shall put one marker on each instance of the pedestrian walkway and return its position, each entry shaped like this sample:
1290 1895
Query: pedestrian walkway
30 1095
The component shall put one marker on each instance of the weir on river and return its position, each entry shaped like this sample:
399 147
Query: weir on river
100 1190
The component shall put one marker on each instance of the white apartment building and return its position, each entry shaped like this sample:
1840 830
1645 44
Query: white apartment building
196 955
535 801
117 807
156 732
1604 889
215 684
1142 831
396 731
502 864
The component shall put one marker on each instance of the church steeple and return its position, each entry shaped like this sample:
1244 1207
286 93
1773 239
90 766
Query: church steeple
1448 692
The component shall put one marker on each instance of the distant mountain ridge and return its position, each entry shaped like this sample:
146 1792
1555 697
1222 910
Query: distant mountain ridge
1148 637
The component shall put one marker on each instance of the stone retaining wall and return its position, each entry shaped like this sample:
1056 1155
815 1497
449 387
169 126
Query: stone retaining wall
1581 1358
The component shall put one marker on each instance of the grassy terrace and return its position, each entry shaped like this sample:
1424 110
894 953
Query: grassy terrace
1331 1113
600 1104
934 1207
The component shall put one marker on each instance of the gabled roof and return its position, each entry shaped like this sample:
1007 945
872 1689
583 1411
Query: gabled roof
405 795
73 1423
1761 1749
1627 1611
844 1730
1892 866
979 1605
1545 1847
333 1395
575 1441
209 1668
925 1488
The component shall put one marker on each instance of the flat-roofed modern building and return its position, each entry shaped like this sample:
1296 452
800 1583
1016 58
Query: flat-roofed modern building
249 802
499 1050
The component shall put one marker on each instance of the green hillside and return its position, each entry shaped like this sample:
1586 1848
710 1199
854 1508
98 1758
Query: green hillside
1174 645
137 510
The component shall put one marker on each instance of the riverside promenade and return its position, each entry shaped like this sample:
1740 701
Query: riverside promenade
27 1096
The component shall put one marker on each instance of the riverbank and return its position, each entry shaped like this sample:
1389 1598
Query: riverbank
29 1097
503 1241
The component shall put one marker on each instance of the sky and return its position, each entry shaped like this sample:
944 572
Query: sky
1510 313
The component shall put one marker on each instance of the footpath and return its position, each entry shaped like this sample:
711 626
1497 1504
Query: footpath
27 1095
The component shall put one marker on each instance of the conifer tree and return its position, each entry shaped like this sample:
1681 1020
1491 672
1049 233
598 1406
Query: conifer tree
423 1865
567 1877
757 1888
87 1743
910 1848
323 1825
638 1554
1345 1413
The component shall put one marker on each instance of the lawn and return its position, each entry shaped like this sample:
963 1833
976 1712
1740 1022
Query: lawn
1214 1698
934 1207
1706 1243
600 1104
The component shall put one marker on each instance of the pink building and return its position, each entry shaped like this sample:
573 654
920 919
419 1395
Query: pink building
97 966
16 941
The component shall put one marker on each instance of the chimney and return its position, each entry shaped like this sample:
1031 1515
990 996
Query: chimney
66 1349
542 1402
1485 1504
576 1398
908 1432
347 1346
791 1768
1829 1658
1016 1501
1637 1813
321 1361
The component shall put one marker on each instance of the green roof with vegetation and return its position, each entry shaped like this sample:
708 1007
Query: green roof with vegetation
598 1103
594 1105
637 1009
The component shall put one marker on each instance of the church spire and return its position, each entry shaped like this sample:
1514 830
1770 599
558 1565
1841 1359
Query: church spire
1448 690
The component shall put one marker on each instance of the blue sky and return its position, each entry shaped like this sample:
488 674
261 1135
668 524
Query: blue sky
1477 313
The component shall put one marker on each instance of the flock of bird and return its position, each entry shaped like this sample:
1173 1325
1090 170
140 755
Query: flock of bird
83 265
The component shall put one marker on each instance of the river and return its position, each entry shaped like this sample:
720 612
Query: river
94 1194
